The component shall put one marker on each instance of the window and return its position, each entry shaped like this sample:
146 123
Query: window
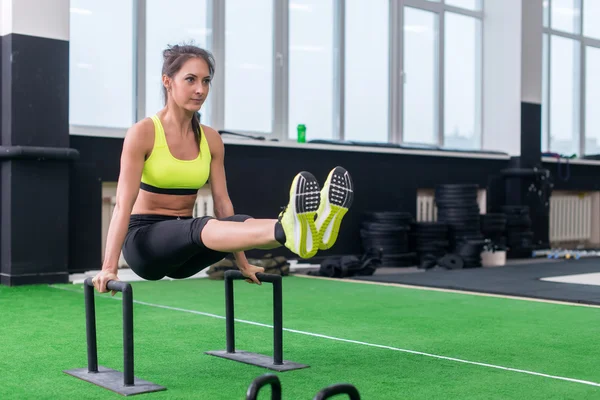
570 88
311 56
545 94
249 65
591 15
565 15
101 62
167 25
406 71
592 99
441 62
367 83
462 82
420 76
564 136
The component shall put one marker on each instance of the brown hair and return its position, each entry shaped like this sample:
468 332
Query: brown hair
173 59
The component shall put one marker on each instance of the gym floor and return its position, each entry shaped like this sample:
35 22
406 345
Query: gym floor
390 341
550 279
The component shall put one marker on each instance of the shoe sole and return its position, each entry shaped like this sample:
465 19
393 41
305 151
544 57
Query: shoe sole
305 196
337 196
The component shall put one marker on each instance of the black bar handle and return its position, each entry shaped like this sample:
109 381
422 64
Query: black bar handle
270 278
90 327
260 382
128 356
117 286
276 280
340 388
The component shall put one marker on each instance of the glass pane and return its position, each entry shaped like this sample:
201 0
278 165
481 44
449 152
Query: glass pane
564 95
545 78
592 99
367 70
101 81
420 111
565 16
249 65
167 25
591 15
462 82
311 24
546 4
474 5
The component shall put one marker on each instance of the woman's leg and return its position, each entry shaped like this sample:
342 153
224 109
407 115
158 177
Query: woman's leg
229 237
297 227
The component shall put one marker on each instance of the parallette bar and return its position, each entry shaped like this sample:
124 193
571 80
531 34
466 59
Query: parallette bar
270 278
277 362
124 383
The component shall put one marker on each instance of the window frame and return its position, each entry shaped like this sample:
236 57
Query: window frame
280 118
440 8
583 42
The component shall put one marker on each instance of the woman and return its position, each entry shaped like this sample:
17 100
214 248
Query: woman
168 157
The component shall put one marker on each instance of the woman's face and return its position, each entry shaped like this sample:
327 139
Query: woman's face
190 85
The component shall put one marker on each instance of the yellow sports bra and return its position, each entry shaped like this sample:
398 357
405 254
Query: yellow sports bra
166 174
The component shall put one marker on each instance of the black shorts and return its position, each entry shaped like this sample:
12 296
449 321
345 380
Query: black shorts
158 245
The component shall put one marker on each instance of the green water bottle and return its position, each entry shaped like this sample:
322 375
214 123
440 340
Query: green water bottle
301 133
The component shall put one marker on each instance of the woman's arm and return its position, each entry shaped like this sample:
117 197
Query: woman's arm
135 148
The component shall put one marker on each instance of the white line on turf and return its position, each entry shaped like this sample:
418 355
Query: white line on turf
380 346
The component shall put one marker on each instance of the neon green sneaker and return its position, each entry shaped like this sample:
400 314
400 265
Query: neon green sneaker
336 198
298 217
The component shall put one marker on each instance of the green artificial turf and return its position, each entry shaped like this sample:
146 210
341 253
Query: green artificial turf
42 331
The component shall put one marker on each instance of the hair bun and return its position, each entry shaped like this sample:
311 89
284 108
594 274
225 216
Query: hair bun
170 51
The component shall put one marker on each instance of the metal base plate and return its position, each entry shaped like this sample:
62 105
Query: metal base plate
256 359
113 380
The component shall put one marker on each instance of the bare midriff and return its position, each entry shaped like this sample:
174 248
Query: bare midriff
164 204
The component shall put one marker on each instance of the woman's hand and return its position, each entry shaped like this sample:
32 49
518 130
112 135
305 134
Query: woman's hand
102 278
250 271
